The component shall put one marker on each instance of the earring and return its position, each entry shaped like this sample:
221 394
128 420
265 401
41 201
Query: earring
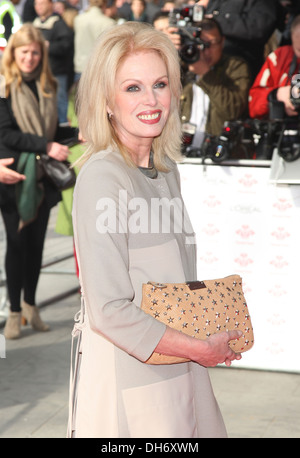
110 115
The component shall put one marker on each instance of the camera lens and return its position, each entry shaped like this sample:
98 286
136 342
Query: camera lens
221 151
189 53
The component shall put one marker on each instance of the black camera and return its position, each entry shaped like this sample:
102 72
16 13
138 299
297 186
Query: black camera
282 134
217 148
246 139
186 19
186 14
295 91
236 141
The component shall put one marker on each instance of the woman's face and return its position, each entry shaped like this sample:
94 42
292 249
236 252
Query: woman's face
137 7
142 99
28 57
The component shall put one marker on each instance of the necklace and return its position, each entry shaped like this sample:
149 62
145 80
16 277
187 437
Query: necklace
150 171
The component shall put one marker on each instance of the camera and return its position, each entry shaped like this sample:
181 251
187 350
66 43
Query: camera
216 148
282 134
186 19
295 91
236 141
186 14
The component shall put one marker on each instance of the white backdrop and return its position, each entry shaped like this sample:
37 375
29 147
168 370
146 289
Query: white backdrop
247 226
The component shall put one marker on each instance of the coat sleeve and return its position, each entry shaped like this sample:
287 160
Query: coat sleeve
12 138
103 260
271 76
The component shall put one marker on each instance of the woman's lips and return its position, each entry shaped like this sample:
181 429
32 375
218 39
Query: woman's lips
150 118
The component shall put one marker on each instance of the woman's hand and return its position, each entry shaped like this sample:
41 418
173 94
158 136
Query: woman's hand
208 353
7 175
215 350
58 151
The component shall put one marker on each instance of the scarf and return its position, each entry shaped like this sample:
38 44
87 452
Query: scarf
38 117
34 116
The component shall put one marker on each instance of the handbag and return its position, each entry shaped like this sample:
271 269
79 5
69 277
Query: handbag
200 309
59 173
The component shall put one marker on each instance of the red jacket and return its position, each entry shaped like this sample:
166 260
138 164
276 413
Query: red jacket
273 74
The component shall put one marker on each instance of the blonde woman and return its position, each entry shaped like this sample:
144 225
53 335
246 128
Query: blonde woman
128 114
28 118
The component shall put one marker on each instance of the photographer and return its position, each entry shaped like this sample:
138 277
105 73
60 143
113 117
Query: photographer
247 26
220 92
273 83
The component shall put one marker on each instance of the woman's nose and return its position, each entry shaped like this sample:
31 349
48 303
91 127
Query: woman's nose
150 97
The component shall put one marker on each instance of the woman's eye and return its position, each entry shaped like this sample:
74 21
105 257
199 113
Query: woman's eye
132 88
160 85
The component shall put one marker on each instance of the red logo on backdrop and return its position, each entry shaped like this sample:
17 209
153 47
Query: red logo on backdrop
212 202
243 260
282 205
211 230
245 231
248 181
279 262
280 234
277 291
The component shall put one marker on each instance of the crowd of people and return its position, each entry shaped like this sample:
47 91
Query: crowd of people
217 85
134 95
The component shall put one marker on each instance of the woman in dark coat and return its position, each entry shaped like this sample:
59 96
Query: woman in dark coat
29 128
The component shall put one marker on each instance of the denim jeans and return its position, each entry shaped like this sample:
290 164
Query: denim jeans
62 98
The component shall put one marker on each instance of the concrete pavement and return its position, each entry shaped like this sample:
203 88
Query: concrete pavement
35 374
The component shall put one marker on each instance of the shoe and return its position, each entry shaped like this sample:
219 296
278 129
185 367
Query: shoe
31 314
12 328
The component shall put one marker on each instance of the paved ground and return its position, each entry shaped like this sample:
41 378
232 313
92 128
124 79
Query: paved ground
34 376
34 387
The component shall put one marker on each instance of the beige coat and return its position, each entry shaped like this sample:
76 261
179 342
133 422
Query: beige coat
87 28
117 394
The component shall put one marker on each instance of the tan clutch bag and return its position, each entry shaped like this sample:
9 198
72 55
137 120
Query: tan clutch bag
199 309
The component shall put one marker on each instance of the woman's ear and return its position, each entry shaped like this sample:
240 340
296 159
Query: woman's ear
109 112
108 109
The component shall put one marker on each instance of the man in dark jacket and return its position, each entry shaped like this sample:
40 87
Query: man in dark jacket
247 26
220 91
60 39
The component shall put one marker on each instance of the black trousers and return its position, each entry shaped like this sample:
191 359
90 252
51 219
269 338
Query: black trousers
24 253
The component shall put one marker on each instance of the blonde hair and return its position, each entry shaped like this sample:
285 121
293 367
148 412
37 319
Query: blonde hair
26 35
98 3
97 88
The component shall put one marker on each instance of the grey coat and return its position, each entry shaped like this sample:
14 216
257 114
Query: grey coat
118 395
